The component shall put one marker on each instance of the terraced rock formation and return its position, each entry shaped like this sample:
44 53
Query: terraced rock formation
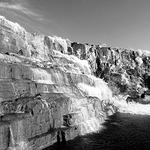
50 85
45 90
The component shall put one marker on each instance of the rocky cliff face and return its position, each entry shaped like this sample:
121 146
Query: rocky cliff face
45 90
49 85
125 71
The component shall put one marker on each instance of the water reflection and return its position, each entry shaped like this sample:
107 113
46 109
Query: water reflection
121 132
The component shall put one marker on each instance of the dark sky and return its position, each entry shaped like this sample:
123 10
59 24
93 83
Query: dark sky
118 23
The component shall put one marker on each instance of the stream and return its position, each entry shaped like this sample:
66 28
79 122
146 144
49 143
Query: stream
122 131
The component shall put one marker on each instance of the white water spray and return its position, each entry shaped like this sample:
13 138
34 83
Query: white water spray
132 107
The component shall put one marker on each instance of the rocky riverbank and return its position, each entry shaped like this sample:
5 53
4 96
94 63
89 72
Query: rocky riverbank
50 85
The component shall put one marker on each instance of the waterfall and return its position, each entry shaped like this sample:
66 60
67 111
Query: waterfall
99 89
89 126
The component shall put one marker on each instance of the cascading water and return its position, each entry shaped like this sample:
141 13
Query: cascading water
100 90
90 126
132 107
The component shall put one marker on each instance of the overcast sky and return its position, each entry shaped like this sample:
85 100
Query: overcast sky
118 23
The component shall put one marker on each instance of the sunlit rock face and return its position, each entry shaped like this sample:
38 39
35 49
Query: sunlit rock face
15 39
50 85
47 87
125 71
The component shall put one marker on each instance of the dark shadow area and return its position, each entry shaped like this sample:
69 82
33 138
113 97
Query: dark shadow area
121 132
146 78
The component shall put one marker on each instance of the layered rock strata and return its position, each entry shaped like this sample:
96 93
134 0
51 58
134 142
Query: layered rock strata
45 90
50 85
125 71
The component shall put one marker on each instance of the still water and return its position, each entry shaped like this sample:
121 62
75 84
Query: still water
121 132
